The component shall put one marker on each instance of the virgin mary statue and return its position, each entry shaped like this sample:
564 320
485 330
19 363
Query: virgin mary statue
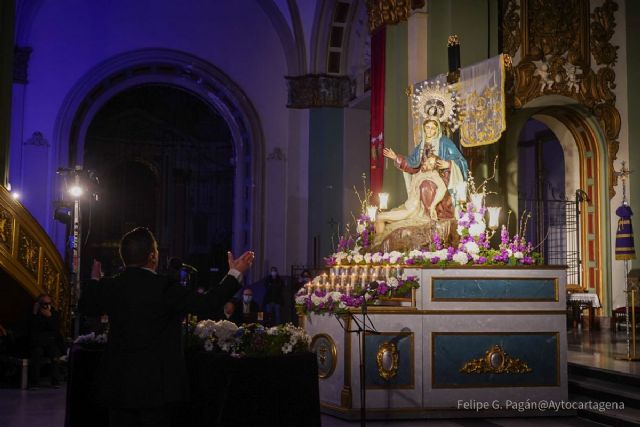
436 167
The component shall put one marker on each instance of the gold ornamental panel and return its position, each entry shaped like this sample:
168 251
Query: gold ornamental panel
28 252
326 353
496 361
387 360
6 229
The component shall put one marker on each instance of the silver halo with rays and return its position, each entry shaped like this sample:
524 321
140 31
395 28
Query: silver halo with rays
435 99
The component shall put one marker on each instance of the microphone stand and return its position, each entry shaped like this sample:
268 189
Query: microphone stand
361 331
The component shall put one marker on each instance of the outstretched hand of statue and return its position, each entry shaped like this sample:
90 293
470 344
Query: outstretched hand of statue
388 152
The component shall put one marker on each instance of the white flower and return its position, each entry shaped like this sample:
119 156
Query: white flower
349 258
376 258
394 256
339 256
477 229
465 217
392 282
301 299
367 296
472 248
208 345
316 300
360 228
415 253
334 295
442 254
287 348
461 258
367 257
356 250
358 258
460 229
479 217
518 255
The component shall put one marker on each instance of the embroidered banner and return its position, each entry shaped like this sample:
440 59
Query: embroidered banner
481 92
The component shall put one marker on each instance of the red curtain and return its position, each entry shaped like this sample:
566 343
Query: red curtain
378 41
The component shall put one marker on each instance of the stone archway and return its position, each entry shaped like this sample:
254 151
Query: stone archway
192 74
592 163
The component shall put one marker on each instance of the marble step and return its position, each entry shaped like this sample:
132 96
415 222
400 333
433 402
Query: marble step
626 417
597 385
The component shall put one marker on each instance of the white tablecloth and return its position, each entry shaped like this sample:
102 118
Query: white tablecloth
586 298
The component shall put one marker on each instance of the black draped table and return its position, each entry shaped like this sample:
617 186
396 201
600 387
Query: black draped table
225 391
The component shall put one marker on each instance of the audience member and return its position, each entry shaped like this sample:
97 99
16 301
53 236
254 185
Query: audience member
231 313
249 307
44 340
143 371
273 297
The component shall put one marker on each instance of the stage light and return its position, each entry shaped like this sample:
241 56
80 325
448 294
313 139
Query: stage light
76 191
64 214
15 195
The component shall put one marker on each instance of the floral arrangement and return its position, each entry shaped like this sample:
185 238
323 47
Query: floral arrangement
472 249
324 300
250 339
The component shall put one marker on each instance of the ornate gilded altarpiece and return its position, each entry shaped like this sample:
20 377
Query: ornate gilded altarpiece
564 48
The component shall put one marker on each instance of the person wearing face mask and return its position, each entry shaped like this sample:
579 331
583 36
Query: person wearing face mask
249 307
273 298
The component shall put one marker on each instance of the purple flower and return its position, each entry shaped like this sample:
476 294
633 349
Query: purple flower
435 260
409 261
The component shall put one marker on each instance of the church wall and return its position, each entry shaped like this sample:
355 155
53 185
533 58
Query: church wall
70 37
633 111
326 159
356 159
396 110
623 95
476 24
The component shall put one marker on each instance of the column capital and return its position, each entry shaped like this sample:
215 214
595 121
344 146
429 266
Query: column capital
319 90
389 12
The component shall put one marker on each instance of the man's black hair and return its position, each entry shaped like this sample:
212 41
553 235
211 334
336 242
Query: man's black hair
136 246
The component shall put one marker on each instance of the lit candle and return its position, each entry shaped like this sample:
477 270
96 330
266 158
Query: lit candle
476 199
494 216
325 281
364 279
348 289
461 191
376 272
333 280
371 212
387 270
308 288
384 200
353 279
343 278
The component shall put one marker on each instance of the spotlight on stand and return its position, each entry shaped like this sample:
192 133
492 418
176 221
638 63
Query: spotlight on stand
63 212
76 191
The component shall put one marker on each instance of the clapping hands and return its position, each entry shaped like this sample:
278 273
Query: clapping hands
242 263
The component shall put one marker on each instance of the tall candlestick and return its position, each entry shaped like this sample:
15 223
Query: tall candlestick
353 279
364 279
333 280
387 270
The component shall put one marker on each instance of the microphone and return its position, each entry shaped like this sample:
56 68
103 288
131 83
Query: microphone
190 268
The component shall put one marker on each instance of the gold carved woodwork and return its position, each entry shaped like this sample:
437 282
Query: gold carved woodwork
6 229
496 361
556 45
387 360
28 252
384 12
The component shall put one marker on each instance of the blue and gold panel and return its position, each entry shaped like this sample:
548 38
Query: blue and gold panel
494 289
511 359
389 360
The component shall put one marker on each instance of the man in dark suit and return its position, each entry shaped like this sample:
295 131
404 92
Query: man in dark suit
143 369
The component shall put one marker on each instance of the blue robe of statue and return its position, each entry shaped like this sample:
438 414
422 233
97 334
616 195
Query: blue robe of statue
448 151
